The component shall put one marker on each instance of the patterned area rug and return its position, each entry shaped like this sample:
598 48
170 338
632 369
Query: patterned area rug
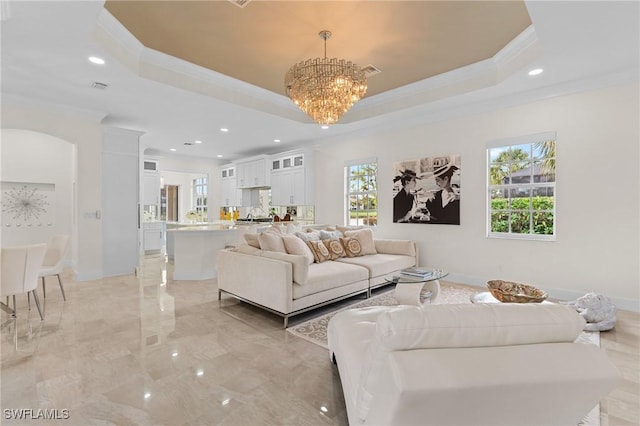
315 329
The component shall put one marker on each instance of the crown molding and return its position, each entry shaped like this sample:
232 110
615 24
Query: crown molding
521 50
112 35
469 104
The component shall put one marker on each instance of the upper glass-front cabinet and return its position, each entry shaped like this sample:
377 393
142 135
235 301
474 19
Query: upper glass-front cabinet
287 162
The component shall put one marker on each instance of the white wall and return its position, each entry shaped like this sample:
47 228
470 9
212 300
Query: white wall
38 158
597 194
83 130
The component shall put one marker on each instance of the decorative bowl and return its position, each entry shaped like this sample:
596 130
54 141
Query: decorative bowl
510 292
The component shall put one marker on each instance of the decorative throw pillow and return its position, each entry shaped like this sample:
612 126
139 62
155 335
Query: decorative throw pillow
327 235
292 228
252 240
351 247
295 245
320 251
271 241
344 229
365 238
308 236
277 229
336 250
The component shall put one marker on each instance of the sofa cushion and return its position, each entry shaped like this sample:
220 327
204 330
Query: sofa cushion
460 326
351 246
271 241
380 264
327 235
477 325
248 249
336 250
252 240
299 265
344 229
365 237
295 245
310 235
277 228
406 247
320 251
329 275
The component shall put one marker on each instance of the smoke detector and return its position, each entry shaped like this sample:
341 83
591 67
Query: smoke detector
240 3
370 70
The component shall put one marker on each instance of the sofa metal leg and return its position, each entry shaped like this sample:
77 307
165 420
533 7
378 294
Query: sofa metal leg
219 294
286 321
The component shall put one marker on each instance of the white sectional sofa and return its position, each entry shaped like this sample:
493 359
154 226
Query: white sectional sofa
471 364
289 284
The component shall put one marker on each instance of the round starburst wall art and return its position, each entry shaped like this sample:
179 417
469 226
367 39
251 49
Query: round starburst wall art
27 204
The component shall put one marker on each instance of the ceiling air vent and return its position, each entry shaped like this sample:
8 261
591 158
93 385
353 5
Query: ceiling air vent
370 70
240 3
188 143
98 85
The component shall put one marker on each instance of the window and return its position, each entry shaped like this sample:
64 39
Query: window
362 193
522 187
199 198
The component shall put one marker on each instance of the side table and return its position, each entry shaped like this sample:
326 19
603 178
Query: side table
412 290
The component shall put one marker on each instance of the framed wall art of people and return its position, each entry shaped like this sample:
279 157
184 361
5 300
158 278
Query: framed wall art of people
427 190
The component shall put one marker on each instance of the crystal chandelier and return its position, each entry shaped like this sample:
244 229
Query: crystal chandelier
325 88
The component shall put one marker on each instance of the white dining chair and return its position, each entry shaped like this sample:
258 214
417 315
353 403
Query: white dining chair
19 274
54 261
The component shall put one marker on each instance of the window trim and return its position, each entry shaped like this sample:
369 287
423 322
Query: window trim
348 193
203 210
521 140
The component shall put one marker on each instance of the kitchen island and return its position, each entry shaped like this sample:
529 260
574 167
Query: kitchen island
194 249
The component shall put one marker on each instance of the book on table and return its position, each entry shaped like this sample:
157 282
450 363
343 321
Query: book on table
417 272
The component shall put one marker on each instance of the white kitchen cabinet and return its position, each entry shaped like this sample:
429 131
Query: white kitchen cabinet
291 180
151 189
153 236
288 188
230 195
253 173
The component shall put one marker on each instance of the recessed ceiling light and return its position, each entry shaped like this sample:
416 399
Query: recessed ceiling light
197 141
325 127
96 60
276 140
536 71
219 155
224 129
172 149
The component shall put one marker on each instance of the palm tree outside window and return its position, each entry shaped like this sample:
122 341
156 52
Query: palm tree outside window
522 188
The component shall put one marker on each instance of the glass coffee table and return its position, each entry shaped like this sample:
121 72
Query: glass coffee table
418 291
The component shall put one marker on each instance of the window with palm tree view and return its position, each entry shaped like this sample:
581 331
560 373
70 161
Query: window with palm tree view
522 189
362 194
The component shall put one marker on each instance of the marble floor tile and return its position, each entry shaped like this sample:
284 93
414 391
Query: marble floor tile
147 350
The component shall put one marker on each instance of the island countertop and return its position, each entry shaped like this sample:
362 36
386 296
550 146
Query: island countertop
204 228
193 249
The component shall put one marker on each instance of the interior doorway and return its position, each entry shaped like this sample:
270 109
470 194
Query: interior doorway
169 203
